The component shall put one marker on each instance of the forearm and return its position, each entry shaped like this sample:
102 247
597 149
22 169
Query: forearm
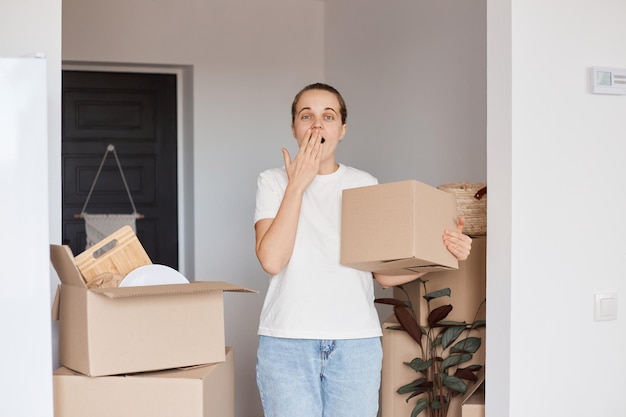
387 281
276 242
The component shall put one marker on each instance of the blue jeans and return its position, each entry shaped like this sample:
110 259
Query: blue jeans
319 378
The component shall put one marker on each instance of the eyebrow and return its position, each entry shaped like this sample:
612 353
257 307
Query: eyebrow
309 108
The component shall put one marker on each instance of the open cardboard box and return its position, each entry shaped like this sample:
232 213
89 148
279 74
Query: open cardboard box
201 391
109 331
396 228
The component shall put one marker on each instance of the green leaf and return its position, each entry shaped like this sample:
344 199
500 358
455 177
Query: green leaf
454 360
408 323
405 389
415 388
394 328
419 365
450 335
446 323
413 395
479 323
469 345
436 294
435 405
420 406
454 383
438 314
419 391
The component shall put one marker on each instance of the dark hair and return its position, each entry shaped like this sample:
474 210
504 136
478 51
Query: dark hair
321 86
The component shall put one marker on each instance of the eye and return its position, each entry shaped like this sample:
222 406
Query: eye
305 117
329 117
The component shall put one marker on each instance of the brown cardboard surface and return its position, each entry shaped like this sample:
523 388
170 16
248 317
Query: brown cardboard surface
135 329
169 289
473 403
103 336
467 286
63 262
399 347
205 391
397 228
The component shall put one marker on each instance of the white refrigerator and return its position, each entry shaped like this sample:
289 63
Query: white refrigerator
25 335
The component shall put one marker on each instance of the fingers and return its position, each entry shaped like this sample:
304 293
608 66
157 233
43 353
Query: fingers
311 143
457 243
287 158
303 168
460 224
310 153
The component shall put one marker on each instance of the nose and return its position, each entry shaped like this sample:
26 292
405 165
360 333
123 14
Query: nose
317 122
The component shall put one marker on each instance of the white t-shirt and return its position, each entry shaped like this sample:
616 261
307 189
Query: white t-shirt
314 296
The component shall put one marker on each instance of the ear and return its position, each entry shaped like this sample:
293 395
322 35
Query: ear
343 131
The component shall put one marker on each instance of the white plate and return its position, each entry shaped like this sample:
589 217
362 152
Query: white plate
153 275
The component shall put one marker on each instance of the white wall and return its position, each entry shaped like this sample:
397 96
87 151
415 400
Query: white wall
499 248
27 27
566 206
414 77
246 60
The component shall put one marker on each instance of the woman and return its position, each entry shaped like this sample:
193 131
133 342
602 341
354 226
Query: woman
319 349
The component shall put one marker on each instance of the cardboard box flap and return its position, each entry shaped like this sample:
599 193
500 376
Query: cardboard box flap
188 372
62 259
55 304
170 289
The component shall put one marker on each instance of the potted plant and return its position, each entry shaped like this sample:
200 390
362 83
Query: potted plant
443 350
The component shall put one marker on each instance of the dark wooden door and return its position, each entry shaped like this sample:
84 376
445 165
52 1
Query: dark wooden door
136 113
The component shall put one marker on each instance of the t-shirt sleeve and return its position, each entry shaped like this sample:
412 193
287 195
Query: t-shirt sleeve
269 195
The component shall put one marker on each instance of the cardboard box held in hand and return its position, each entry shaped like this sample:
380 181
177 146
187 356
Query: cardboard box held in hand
397 228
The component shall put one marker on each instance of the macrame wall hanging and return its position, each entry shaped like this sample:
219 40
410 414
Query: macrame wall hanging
99 226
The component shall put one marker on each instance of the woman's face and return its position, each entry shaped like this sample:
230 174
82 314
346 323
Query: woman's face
319 110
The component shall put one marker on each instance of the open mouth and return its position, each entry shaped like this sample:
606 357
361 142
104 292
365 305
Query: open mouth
323 140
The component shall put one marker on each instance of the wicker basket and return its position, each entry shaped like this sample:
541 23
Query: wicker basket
471 203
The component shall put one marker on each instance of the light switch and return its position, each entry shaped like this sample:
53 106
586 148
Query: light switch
605 306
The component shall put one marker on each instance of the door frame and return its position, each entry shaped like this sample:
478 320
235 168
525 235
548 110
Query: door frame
184 145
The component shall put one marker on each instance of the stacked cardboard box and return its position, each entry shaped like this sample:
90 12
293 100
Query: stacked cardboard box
139 351
473 404
467 285
398 348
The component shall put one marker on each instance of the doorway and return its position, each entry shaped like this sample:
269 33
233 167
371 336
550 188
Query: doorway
137 114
